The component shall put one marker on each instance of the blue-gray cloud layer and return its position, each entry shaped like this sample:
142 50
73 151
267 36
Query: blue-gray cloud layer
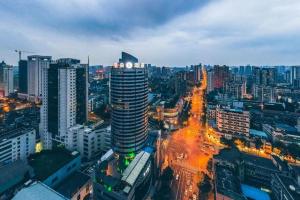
164 32
97 17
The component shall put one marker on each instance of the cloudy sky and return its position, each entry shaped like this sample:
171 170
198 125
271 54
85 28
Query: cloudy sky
161 32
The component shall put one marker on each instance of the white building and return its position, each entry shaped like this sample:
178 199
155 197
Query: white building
64 101
89 141
210 81
233 121
67 100
6 79
17 144
35 75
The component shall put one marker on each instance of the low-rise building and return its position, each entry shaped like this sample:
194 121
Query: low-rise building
38 191
233 121
13 176
285 188
52 166
282 132
89 141
16 144
77 186
133 183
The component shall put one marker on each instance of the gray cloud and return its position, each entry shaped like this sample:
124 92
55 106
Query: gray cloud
163 32
97 17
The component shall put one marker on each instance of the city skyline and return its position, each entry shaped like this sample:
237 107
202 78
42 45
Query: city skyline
210 32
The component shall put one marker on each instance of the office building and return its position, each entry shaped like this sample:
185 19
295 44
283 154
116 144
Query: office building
16 144
129 101
6 79
233 121
36 72
23 81
64 100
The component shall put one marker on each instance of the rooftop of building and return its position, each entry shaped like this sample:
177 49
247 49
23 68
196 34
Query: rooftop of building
258 161
227 183
14 133
38 191
39 57
280 163
12 174
134 169
233 155
290 185
257 133
48 162
286 128
72 183
254 193
126 57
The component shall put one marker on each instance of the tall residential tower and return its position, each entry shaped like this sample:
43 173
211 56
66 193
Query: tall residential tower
64 100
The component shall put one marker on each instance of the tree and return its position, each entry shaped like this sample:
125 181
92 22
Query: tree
167 174
258 143
164 193
294 150
226 141
204 186
209 165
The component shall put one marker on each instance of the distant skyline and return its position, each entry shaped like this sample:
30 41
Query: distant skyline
160 32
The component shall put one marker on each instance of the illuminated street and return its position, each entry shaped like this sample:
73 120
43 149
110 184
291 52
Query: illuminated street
187 151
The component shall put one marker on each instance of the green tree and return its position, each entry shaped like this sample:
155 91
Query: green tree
204 187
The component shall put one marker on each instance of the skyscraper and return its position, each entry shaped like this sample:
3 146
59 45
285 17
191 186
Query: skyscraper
36 67
6 79
23 76
64 101
210 81
197 73
295 74
129 101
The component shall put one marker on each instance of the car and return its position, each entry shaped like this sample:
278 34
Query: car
188 182
191 188
194 196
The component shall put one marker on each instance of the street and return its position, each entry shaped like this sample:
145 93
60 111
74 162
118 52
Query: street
187 151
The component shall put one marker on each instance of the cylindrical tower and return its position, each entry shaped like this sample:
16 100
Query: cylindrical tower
129 101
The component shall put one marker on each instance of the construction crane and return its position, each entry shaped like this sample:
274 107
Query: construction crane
22 51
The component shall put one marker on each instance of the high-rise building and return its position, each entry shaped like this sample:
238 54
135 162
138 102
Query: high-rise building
265 76
221 75
295 73
197 73
64 99
23 76
6 79
36 68
210 81
129 101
